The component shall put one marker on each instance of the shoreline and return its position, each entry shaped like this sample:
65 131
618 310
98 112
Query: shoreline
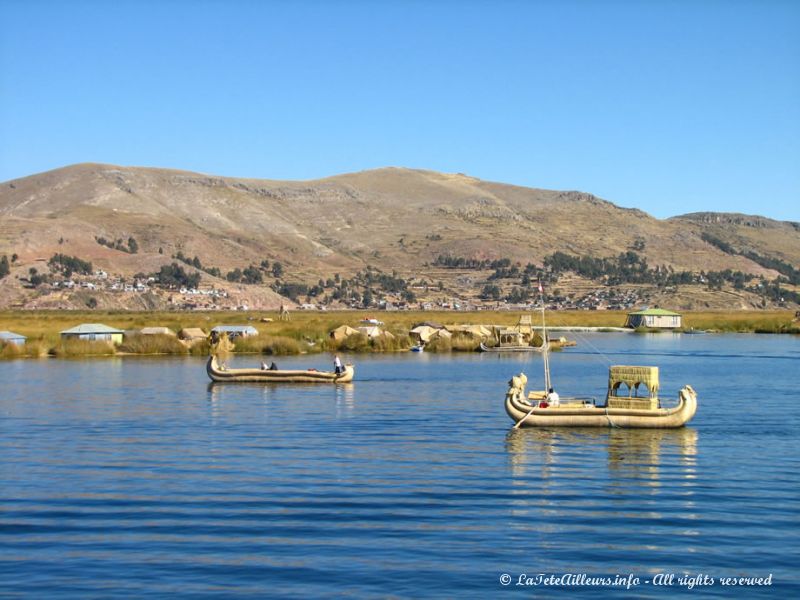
309 331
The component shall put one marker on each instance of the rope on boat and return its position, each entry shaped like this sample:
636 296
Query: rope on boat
598 354
610 422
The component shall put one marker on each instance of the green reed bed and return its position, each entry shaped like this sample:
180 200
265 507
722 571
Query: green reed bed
439 344
398 342
153 344
33 348
74 348
742 322
358 342
464 343
201 348
269 344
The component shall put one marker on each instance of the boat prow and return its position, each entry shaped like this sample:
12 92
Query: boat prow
220 373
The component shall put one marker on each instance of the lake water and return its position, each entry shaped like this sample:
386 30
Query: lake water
134 477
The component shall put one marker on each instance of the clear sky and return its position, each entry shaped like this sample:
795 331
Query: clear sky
668 106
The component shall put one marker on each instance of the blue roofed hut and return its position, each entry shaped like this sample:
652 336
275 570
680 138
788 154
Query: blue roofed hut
94 332
233 331
9 337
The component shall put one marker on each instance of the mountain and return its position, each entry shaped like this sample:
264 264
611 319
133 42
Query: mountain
392 219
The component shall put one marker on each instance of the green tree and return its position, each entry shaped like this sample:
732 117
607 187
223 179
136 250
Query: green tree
4 268
252 275
277 269
174 276
366 299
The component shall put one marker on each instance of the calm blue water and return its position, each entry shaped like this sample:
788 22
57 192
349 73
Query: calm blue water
137 478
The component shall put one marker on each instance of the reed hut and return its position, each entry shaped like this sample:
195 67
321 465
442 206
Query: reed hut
342 332
157 331
192 335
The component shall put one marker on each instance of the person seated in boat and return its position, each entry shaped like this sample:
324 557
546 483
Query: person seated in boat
337 365
553 398
273 366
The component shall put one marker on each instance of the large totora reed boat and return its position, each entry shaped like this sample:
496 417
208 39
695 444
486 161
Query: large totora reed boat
515 339
219 373
623 406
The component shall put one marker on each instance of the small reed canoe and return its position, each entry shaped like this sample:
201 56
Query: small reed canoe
218 373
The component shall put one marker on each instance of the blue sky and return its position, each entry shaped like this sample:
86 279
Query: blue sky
667 106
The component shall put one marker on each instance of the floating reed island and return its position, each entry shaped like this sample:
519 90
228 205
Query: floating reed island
187 333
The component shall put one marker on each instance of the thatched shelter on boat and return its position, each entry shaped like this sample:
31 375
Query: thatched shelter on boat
656 318
94 332
9 337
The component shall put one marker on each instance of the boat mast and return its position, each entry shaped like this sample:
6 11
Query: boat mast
545 344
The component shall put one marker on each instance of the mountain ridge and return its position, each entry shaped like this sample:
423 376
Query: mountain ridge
392 219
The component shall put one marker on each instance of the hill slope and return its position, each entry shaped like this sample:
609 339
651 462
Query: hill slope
393 219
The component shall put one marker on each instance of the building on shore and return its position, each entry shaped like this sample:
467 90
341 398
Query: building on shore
93 332
233 331
655 318
9 337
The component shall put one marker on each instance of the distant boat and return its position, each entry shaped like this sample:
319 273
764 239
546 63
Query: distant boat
418 348
512 340
511 348
371 321
218 373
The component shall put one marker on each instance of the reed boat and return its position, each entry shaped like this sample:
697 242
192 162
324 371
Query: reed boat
511 348
219 373
621 408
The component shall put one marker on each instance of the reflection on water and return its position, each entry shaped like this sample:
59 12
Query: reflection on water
343 395
561 472
636 453
345 398
137 478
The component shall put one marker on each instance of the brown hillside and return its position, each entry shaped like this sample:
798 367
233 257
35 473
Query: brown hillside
393 219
